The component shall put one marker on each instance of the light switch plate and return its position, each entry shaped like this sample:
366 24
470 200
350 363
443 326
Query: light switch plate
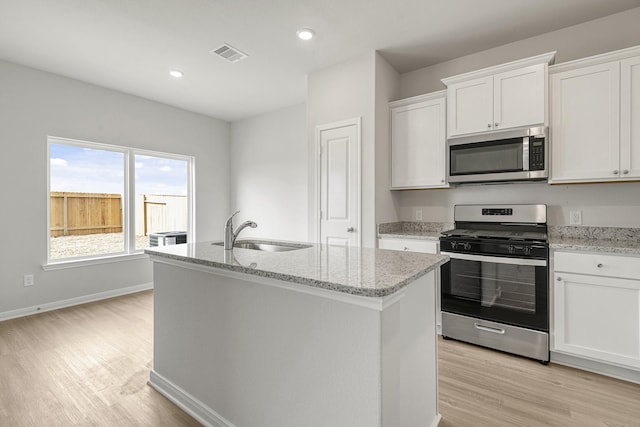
418 214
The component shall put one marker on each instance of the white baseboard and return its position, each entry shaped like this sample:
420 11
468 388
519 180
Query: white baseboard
601 368
198 410
192 406
27 311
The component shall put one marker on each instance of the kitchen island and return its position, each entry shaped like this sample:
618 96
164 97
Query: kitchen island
315 336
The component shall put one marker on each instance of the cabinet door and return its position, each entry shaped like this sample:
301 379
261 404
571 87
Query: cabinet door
630 118
519 97
418 141
470 106
585 124
598 317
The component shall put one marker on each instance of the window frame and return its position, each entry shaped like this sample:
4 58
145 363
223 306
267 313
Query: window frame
129 205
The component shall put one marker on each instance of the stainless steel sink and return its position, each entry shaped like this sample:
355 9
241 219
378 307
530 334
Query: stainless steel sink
258 245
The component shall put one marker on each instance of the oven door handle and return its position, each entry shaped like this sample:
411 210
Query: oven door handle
497 259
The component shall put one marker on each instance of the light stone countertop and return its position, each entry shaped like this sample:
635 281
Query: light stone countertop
590 245
616 240
420 230
357 271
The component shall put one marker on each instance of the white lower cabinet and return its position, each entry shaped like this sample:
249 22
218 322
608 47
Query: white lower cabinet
597 307
411 245
415 245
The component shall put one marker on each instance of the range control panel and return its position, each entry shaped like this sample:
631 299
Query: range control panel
509 249
497 211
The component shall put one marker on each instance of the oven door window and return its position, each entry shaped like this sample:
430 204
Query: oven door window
487 157
509 293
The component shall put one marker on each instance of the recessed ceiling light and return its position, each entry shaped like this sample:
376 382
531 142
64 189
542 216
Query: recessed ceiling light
176 73
305 34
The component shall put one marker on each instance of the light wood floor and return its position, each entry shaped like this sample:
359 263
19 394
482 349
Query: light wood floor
83 366
480 387
89 365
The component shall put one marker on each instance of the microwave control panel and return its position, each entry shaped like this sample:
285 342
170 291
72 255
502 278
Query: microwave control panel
536 154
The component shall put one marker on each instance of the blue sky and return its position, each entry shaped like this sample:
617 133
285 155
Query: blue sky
89 170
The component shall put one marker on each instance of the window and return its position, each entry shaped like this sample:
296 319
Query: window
161 190
107 200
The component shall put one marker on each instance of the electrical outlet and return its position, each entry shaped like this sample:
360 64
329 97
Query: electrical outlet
575 218
418 214
28 280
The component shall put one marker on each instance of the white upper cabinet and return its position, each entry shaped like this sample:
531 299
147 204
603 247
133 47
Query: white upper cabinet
595 119
585 123
470 106
502 97
630 117
519 97
418 140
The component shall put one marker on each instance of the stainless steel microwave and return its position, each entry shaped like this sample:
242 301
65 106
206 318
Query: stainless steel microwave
515 155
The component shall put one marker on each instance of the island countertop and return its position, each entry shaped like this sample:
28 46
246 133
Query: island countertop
356 271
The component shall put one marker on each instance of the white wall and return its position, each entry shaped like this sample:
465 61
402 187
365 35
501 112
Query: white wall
269 174
34 104
268 179
387 89
602 204
602 35
610 205
338 93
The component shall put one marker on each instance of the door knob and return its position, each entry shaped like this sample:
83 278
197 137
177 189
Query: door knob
350 230
625 171
616 172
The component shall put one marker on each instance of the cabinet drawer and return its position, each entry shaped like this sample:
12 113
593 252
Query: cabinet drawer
597 264
432 247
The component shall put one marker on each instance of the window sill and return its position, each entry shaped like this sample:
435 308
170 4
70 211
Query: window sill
84 262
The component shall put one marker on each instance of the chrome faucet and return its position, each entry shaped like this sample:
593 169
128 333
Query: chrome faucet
229 236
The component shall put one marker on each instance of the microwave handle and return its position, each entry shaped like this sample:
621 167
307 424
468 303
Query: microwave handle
525 153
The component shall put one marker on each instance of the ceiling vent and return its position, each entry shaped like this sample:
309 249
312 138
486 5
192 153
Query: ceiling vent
229 53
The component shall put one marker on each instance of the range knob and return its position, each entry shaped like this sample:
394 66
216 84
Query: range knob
454 244
511 249
466 246
526 250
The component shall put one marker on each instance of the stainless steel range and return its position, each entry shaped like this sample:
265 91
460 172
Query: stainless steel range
495 290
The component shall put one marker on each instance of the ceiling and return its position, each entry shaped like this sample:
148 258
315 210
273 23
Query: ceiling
130 45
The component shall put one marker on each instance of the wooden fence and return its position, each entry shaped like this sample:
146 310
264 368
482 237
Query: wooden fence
85 213
75 214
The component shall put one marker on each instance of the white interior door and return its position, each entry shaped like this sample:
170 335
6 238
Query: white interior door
339 150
